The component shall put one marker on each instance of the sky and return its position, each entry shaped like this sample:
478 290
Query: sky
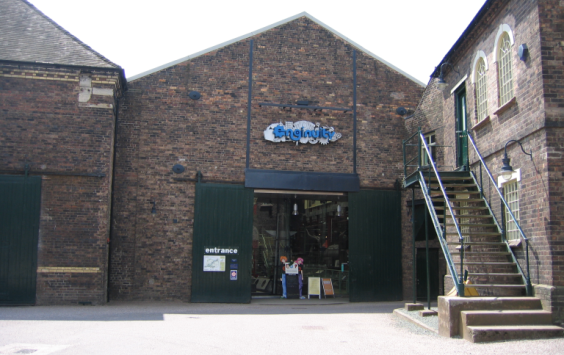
412 35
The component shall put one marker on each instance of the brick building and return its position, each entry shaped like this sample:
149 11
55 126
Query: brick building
501 85
195 120
283 142
58 104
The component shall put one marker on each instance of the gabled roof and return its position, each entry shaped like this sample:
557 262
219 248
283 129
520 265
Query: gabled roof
264 29
27 35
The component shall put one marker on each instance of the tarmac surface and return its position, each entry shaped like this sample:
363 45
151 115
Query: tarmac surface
265 326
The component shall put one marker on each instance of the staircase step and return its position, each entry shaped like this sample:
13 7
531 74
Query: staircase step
486 253
452 178
440 194
497 285
481 334
466 216
441 199
462 208
478 225
506 317
494 274
484 263
469 234
434 185
478 243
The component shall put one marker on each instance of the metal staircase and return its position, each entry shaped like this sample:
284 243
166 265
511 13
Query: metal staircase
474 244
472 239
490 263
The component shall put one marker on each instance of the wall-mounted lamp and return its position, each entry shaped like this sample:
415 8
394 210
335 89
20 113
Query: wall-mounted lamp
295 212
154 209
338 210
442 84
523 51
507 170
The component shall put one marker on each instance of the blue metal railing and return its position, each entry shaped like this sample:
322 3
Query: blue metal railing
527 277
422 146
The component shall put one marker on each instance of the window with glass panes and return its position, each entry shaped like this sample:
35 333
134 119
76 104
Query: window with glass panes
511 192
430 140
505 64
481 95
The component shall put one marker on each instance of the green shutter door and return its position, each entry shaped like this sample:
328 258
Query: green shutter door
224 220
19 227
375 246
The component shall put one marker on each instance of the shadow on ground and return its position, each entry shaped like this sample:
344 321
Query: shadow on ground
156 311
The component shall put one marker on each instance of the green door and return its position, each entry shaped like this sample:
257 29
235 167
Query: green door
222 247
461 130
375 246
19 227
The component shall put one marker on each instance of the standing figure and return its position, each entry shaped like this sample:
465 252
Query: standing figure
284 261
300 263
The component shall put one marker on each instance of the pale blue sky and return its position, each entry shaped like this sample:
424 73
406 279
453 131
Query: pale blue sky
413 35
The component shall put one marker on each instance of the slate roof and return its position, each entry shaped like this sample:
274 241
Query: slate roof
264 29
27 35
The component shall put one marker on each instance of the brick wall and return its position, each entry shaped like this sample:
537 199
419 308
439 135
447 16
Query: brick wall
44 125
552 37
160 126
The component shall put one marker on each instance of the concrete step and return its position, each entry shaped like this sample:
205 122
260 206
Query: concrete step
450 309
482 334
506 317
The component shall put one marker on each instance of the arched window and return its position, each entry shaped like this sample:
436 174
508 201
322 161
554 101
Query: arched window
505 69
481 89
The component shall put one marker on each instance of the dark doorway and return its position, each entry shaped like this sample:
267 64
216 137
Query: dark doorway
304 225
422 273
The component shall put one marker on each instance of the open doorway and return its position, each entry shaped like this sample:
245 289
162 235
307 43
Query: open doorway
310 226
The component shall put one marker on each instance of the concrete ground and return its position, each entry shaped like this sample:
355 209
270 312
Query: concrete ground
266 326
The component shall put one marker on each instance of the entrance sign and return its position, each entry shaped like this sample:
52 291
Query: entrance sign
301 132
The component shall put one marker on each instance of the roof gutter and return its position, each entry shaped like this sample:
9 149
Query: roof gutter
465 34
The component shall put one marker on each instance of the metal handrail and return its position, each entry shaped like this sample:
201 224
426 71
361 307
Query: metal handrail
439 232
522 234
460 283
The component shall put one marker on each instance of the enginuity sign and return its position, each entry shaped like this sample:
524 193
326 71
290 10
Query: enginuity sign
301 132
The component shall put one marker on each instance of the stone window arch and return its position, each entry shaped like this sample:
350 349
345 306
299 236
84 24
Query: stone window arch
504 58
479 79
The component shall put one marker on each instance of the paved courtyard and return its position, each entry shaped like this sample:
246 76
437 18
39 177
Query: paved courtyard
266 326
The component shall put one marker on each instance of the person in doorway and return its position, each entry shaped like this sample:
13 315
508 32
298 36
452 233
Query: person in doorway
284 261
300 263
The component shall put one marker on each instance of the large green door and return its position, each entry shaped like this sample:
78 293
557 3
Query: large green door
20 199
223 226
375 246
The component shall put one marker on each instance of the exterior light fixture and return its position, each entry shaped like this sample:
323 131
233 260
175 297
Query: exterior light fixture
442 84
154 209
507 170
522 52
295 212
338 210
